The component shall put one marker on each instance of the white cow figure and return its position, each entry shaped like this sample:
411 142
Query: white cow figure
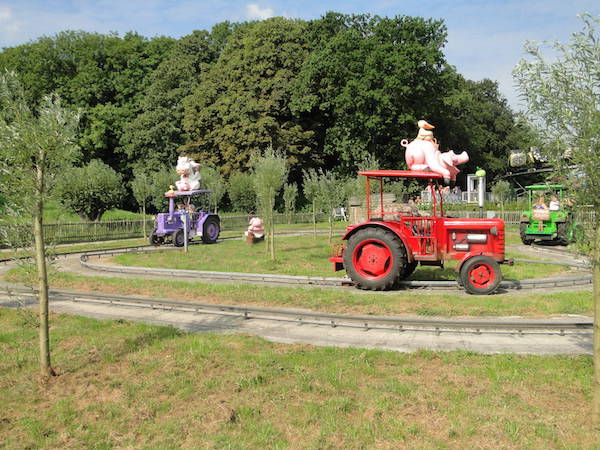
189 173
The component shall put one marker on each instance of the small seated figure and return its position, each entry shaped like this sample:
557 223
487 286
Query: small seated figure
540 204
554 203
540 212
256 230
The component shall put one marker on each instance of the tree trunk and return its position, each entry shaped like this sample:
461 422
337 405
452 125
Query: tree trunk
40 261
596 301
330 228
144 217
314 219
272 230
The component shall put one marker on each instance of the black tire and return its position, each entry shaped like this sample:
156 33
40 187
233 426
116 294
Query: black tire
211 230
480 275
523 233
562 233
178 238
410 268
155 240
375 259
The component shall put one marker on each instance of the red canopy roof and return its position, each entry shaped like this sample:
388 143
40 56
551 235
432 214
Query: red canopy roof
401 174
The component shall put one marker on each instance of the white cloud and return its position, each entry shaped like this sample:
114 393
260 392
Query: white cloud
5 14
9 25
253 11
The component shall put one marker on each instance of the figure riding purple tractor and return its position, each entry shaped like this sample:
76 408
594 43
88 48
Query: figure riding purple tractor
184 221
174 225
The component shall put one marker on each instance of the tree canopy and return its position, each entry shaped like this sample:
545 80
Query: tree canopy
328 93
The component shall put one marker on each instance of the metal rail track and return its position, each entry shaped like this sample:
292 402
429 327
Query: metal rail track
581 280
563 327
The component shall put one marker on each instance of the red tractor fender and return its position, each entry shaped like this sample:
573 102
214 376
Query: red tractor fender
385 226
472 254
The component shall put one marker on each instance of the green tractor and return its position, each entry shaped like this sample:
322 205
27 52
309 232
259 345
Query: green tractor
548 222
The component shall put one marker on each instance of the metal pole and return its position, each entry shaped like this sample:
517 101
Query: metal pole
185 231
481 195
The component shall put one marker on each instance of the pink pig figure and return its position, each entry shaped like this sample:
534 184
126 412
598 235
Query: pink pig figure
256 227
423 154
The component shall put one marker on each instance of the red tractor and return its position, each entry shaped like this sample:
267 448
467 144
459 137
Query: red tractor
388 247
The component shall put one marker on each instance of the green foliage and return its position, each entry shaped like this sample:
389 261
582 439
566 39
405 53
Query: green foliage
290 194
162 179
563 101
241 105
103 75
310 189
212 179
90 190
369 79
33 143
242 192
270 171
154 136
141 186
501 189
328 92
478 119
332 195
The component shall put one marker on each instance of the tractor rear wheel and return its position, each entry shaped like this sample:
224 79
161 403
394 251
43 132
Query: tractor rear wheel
155 240
562 233
523 232
410 268
480 275
211 230
375 259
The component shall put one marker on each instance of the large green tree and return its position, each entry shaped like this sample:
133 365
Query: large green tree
563 99
241 105
155 135
35 145
369 80
102 74
478 119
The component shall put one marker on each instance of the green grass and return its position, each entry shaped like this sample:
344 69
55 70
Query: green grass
344 301
299 255
130 385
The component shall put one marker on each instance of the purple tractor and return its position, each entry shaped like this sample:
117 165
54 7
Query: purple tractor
170 227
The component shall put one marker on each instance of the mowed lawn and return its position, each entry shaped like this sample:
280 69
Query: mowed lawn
299 255
129 385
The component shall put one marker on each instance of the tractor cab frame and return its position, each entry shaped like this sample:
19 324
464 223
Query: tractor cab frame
393 241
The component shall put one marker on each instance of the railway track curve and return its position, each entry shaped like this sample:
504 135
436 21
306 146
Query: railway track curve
584 280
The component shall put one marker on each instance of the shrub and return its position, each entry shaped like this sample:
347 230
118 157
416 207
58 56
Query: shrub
90 190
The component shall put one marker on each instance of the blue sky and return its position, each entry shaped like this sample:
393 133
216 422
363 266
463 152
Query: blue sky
485 38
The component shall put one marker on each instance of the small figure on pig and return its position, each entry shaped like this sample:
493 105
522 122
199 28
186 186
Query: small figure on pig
189 174
423 154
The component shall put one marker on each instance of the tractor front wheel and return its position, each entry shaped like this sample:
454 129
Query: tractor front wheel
480 275
375 259
178 238
523 233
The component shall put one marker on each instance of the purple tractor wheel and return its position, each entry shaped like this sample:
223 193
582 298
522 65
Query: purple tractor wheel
211 230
